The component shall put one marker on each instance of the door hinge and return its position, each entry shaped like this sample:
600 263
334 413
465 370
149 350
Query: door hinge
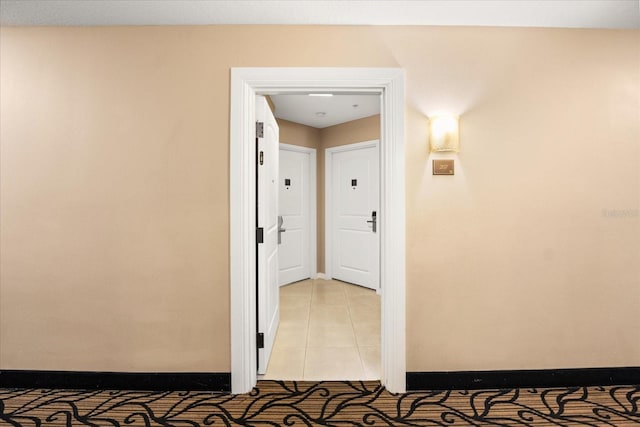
261 158
259 129
260 340
260 235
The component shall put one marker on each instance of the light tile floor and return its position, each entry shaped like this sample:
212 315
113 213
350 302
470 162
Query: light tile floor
329 330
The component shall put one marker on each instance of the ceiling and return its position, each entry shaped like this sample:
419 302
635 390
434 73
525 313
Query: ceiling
321 112
512 13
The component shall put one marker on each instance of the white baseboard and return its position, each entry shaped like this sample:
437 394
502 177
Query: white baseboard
320 276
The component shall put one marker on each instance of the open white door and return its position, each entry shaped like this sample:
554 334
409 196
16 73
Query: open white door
268 298
297 199
353 212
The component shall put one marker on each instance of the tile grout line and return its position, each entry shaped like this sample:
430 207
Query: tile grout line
306 343
350 301
377 373
298 324
353 329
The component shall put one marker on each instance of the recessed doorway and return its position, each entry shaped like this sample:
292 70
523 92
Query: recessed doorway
328 329
245 84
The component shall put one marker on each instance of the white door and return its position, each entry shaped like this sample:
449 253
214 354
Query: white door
354 208
267 195
295 252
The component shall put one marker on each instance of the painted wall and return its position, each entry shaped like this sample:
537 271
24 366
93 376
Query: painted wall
297 134
114 192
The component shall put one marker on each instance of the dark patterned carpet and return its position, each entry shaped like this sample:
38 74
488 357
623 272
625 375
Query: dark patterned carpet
289 403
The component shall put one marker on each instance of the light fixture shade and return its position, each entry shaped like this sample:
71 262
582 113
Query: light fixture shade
443 134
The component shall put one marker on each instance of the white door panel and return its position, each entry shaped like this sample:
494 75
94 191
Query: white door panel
354 192
291 257
294 207
267 195
354 200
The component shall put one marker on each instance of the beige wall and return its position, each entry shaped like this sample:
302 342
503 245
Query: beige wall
114 192
297 134
361 130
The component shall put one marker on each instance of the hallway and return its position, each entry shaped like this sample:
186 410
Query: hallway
329 330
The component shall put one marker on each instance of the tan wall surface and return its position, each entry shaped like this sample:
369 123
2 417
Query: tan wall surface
114 182
366 129
297 134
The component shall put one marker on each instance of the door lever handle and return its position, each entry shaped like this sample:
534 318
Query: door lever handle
280 229
373 221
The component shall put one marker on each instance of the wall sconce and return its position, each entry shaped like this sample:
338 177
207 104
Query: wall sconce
443 134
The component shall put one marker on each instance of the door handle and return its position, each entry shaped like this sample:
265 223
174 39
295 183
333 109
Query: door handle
373 221
280 229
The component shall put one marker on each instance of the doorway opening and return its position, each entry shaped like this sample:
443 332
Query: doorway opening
245 84
329 317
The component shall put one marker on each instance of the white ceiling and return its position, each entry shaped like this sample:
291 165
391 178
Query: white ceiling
512 13
337 109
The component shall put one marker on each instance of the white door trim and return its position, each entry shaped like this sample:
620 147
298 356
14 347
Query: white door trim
328 186
245 83
313 211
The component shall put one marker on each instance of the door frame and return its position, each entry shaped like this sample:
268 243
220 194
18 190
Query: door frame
313 210
245 84
328 193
